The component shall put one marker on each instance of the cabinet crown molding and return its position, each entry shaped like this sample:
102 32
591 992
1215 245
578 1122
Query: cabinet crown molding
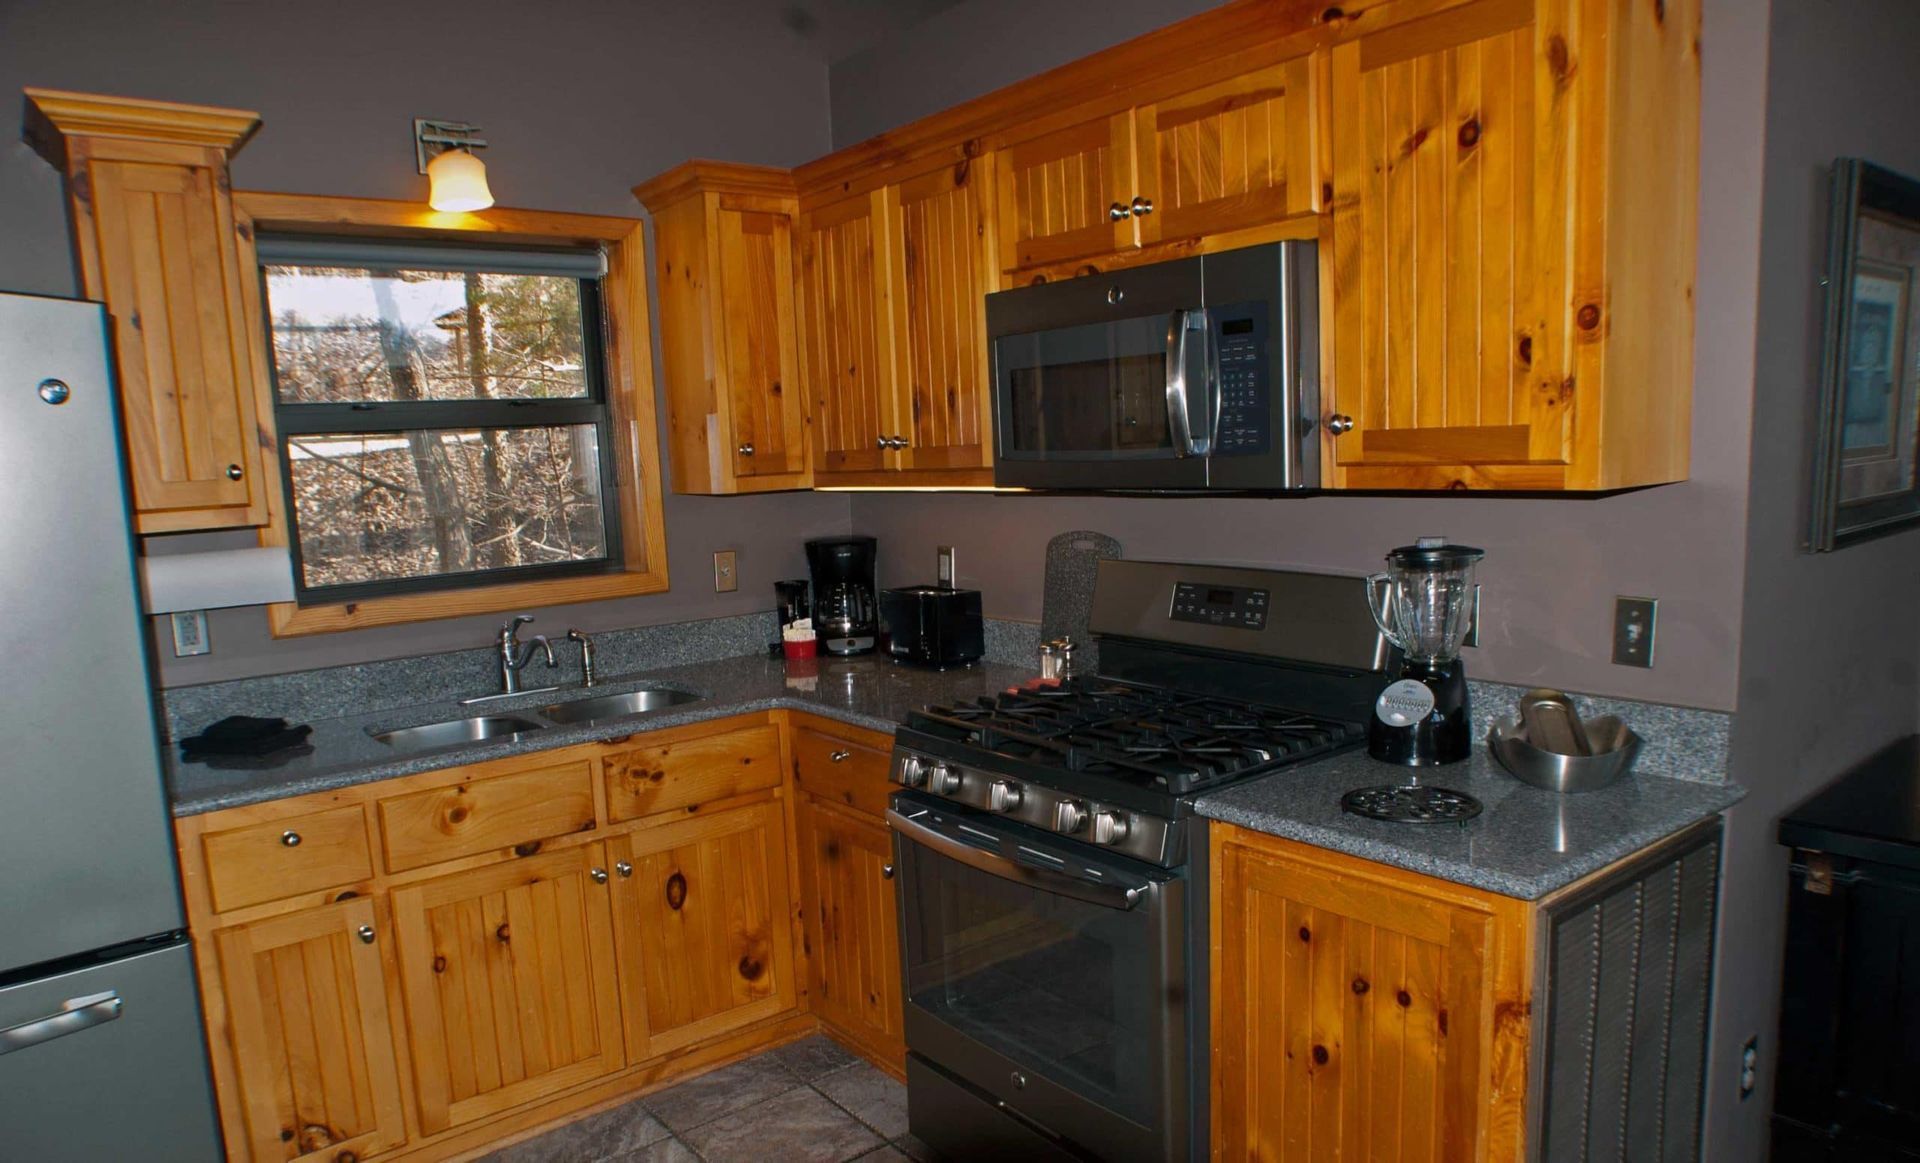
52 116
701 176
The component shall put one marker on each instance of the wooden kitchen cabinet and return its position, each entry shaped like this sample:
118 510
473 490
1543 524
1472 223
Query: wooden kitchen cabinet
853 930
1512 247
736 414
311 1039
1063 194
847 349
153 230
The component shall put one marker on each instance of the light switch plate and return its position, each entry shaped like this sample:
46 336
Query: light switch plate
189 633
945 574
725 579
1633 625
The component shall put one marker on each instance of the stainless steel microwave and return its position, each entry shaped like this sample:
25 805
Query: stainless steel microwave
1199 373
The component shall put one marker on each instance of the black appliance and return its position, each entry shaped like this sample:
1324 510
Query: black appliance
1847 1082
933 626
1051 870
1424 605
845 617
1198 373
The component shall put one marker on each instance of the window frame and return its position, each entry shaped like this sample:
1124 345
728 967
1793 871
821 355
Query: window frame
638 564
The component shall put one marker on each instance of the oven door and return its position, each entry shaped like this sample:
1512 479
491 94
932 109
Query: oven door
1046 975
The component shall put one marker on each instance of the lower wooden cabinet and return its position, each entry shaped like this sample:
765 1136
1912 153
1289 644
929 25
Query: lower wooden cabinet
852 928
312 1042
700 924
508 973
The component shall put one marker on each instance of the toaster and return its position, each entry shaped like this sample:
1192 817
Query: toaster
931 626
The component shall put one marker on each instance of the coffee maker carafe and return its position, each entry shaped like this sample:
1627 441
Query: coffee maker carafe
845 616
1424 605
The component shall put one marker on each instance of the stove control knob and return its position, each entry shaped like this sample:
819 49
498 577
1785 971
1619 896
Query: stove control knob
944 780
1109 827
1004 795
1069 816
913 771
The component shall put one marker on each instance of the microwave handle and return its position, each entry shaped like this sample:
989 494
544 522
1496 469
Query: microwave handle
1179 416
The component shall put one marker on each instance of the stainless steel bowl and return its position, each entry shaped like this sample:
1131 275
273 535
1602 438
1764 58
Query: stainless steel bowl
1614 748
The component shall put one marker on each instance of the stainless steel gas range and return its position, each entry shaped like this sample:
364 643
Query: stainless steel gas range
1052 874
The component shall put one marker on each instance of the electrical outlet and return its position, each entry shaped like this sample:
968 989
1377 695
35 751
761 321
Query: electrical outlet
725 579
190 633
944 574
1633 622
1749 1067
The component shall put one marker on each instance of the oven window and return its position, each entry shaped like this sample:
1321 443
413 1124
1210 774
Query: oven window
1065 988
1091 392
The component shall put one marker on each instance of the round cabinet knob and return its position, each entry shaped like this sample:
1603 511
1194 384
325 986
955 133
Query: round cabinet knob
623 868
1069 816
1116 296
945 780
886 872
1109 827
1141 207
599 875
290 838
746 450
1339 424
365 933
840 756
1004 795
1118 211
234 472
897 442
55 392
913 771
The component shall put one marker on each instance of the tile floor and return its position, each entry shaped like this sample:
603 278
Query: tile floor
807 1102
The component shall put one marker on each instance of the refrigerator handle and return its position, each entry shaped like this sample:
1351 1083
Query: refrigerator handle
76 1014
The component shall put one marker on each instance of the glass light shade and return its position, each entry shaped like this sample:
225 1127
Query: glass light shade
457 181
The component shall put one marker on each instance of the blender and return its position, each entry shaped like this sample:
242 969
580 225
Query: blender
1423 603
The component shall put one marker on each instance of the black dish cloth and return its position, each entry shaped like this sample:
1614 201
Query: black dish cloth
244 735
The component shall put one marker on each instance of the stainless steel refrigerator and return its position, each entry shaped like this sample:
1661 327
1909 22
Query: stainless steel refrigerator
101 1052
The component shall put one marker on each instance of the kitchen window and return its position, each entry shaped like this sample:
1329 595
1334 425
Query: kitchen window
458 427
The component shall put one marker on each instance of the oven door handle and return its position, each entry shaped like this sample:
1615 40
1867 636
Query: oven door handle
1112 896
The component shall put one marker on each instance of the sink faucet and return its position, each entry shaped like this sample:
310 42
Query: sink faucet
515 654
586 655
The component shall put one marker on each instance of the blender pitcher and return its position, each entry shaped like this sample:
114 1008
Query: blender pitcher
1423 603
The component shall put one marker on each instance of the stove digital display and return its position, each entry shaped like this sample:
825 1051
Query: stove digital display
1239 607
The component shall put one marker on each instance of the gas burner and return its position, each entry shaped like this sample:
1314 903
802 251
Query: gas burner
1411 804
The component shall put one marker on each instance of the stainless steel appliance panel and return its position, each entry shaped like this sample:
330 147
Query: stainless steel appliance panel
83 814
106 1062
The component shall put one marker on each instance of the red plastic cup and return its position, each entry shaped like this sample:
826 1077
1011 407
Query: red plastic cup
803 648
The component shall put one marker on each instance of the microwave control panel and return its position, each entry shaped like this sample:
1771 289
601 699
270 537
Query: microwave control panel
1246 384
1237 606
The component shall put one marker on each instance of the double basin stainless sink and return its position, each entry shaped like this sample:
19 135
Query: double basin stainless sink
574 712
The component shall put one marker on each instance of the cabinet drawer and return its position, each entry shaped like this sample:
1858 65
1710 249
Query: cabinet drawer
483 814
841 770
665 776
282 858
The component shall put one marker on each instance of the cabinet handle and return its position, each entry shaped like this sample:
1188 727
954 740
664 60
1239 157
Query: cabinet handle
366 933
290 838
886 872
1118 212
1141 206
623 868
234 472
1339 424
882 443
746 450
900 442
599 875
839 756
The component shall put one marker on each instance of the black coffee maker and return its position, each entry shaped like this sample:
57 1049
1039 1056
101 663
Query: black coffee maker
845 616
1424 605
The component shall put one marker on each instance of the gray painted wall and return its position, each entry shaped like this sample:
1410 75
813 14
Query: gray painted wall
580 101
1553 566
1827 671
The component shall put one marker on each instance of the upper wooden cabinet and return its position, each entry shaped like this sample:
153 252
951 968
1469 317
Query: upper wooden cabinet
154 236
723 257
847 354
1512 248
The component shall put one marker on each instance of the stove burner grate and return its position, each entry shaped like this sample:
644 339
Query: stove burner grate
1411 804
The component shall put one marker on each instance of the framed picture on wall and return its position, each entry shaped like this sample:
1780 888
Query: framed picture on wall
1866 473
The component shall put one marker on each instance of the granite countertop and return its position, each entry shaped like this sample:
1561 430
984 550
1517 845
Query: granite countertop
867 692
1526 843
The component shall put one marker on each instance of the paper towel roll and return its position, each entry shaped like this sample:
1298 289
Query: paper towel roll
221 577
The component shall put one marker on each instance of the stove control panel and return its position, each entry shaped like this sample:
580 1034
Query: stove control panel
1242 607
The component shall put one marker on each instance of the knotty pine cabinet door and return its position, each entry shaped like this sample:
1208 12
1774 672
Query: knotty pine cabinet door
508 972
852 926
847 349
1061 193
308 1028
702 925
767 420
1361 1012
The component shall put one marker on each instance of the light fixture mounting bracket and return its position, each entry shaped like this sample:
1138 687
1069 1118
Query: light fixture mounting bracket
432 138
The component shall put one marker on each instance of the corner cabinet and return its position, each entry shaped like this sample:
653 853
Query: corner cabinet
1512 257
723 258
155 238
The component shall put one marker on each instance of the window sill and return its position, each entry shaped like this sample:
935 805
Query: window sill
288 620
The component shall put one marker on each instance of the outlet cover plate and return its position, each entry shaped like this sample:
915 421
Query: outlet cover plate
1633 631
189 633
726 578
944 567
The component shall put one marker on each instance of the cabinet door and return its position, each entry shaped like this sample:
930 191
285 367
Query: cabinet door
701 923
509 980
1235 154
1361 1012
942 270
853 931
1455 180
307 1024
1060 193
162 255
847 348
765 405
